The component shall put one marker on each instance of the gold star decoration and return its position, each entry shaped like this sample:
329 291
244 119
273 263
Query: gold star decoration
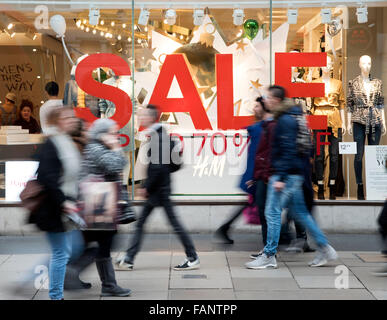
241 45
256 84
238 105
147 54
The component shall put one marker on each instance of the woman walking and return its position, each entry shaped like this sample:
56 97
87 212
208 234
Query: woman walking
58 172
103 157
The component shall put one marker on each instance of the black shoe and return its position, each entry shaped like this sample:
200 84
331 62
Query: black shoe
222 234
332 192
108 279
360 192
72 281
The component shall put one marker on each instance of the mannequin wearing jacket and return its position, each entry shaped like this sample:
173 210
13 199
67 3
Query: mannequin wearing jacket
365 106
332 106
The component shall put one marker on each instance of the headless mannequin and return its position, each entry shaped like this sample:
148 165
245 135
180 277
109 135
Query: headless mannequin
365 63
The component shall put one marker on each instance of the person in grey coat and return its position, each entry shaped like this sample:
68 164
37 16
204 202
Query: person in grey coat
103 156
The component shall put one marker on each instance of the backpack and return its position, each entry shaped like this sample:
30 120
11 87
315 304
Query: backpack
176 162
303 140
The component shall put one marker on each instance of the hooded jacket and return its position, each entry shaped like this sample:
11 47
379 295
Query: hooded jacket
285 158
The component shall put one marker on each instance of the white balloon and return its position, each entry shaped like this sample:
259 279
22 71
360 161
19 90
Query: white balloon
58 24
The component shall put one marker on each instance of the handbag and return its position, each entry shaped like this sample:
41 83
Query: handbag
251 213
125 214
33 196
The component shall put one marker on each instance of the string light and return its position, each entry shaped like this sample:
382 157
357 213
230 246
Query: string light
130 39
10 26
119 37
112 23
124 25
139 41
102 33
181 37
87 29
13 34
79 22
82 27
84 21
94 31
102 22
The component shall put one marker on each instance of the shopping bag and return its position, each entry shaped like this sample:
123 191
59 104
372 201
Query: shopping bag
251 213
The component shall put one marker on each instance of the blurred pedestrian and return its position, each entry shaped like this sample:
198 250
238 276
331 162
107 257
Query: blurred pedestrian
52 90
103 157
285 185
8 111
26 120
157 190
254 132
262 167
58 172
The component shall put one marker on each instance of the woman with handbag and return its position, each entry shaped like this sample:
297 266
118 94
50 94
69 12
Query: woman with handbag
57 174
103 158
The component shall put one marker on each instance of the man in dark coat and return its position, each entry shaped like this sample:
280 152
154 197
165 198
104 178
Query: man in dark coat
157 190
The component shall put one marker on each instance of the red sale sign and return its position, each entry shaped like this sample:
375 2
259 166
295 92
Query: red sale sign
176 65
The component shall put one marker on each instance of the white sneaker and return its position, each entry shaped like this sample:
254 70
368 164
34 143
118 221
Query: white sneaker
326 254
188 265
262 262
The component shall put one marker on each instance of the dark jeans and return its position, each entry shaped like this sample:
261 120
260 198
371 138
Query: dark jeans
104 240
333 154
359 136
178 228
260 201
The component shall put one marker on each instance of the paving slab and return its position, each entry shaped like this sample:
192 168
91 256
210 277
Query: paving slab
4 257
325 282
201 294
243 272
142 295
302 270
372 257
210 282
306 294
266 284
379 294
370 281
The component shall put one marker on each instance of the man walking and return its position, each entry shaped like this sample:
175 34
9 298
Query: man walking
53 102
157 189
285 185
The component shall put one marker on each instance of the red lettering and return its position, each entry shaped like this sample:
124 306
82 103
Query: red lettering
283 73
225 96
85 81
320 143
176 65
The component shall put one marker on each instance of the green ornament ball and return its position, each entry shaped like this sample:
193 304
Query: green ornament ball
251 28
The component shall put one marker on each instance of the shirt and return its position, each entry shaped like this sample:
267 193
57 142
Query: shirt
331 104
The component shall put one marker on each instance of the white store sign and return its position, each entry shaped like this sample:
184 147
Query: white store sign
376 173
17 174
347 148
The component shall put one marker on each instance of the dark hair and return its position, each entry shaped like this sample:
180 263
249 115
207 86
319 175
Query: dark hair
26 103
260 101
52 88
278 92
153 111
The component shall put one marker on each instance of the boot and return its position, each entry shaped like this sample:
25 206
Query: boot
360 192
332 192
320 192
222 234
108 279
72 281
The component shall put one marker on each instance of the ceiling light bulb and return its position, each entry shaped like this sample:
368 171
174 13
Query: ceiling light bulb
112 23
79 22
94 31
34 50
124 25
102 22
119 37
139 41
10 26
130 39
13 34
102 33
181 37
82 27
87 29
84 21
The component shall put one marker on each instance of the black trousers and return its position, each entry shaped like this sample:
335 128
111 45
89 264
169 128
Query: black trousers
135 245
333 154
104 240
260 200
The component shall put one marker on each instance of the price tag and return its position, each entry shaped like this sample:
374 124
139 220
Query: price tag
347 148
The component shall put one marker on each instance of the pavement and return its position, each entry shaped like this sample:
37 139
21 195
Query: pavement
222 275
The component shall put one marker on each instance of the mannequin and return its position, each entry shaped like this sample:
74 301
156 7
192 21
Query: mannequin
366 118
332 106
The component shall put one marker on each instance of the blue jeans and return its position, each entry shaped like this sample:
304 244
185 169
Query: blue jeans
291 197
64 245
